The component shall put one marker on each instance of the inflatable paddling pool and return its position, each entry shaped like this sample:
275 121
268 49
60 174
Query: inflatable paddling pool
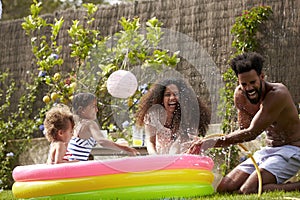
145 177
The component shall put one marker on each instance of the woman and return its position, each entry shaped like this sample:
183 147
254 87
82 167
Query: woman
172 116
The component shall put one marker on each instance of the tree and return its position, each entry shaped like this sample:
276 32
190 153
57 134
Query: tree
17 9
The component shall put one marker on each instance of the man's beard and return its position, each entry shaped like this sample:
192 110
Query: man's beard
256 100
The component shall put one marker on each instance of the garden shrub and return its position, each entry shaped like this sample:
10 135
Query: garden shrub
136 45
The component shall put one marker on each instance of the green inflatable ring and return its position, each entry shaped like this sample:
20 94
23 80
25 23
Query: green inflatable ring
186 190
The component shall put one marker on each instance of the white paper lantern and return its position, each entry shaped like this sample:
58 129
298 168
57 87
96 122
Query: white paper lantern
122 84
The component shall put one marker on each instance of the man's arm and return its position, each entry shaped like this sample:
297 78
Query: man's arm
245 109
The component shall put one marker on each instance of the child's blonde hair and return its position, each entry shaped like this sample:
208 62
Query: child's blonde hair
56 119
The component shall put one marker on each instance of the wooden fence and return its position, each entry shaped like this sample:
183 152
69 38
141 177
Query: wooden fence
199 29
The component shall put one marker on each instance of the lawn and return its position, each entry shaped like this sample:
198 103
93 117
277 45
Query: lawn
7 195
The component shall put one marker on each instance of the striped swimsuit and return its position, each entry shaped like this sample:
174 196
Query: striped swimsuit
80 149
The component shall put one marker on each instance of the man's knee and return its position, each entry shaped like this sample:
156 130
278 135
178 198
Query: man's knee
248 189
226 186
221 188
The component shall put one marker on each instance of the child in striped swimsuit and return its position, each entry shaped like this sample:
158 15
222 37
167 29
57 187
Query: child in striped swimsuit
87 132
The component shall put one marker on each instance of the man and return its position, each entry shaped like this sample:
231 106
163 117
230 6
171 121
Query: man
262 106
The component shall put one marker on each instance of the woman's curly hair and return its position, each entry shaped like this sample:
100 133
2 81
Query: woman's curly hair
57 119
192 113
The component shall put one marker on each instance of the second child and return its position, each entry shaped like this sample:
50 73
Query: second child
59 125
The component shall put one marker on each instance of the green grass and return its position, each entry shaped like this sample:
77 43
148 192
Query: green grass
7 195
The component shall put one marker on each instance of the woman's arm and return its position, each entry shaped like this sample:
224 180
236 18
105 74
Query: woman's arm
150 139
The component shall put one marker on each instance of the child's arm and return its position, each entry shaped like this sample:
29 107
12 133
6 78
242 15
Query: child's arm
94 129
112 145
60 151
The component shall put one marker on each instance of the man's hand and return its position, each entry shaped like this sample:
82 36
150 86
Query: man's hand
202 145
195 147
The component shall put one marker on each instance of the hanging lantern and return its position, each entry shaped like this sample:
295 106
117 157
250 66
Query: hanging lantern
122 84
